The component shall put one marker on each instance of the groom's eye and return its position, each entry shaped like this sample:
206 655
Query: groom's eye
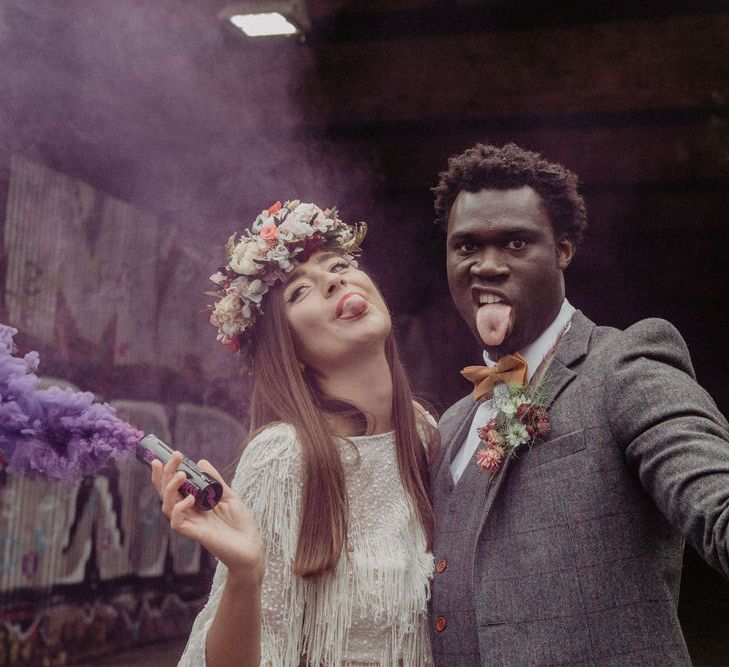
467 247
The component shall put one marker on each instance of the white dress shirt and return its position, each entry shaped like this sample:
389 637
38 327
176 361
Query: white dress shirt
534 353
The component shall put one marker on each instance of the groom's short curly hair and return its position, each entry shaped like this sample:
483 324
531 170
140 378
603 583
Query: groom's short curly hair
501 168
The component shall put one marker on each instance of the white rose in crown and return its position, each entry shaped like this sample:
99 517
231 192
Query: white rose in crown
254 290
280 254
244 256
226 316
292 228
306 212
312 218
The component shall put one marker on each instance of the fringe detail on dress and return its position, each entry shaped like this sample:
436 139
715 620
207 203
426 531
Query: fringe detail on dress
387 589
270 483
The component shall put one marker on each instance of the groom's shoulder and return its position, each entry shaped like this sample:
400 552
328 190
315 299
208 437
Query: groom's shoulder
650 334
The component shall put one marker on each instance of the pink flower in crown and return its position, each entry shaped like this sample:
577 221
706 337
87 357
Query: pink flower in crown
490 459
269 234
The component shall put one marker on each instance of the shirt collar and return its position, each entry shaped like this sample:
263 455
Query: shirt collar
535 352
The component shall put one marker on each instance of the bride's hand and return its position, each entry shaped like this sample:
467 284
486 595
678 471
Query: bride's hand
228 531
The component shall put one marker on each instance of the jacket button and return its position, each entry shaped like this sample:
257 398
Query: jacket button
441 566
440 623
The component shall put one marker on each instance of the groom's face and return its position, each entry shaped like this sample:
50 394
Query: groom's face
505 266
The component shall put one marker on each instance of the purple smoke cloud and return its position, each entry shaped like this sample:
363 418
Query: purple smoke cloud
58 434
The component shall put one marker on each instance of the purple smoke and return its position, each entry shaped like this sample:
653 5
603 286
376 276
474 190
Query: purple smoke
59 434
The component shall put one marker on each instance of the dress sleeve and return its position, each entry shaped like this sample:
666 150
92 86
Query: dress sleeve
430 419
673 435
268 479
427 426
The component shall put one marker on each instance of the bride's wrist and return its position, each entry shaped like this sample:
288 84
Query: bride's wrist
247 575
247 581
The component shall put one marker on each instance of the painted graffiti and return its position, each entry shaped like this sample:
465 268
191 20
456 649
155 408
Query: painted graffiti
74 557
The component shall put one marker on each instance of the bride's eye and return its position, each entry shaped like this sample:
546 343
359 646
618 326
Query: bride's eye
296 293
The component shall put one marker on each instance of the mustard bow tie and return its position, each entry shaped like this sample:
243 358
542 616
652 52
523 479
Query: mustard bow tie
512 369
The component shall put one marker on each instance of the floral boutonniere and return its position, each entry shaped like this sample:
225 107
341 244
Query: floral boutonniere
521 419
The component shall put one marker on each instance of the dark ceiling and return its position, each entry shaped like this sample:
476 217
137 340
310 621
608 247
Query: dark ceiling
158 103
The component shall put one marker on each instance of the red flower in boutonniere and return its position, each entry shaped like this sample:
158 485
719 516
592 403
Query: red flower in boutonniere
521 419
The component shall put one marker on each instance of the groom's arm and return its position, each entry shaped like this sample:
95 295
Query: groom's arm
673 435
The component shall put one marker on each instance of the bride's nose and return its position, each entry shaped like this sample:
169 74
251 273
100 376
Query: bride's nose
332 282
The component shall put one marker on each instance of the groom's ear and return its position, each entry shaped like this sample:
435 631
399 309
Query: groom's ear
565 251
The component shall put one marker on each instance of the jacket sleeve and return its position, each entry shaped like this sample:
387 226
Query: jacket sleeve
673 435
268 479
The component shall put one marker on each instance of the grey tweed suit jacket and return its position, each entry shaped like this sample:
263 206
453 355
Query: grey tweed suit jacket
573 554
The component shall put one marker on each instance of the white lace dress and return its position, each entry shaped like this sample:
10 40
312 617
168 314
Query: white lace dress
372 609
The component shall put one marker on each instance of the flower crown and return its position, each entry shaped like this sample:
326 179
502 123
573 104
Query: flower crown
279 238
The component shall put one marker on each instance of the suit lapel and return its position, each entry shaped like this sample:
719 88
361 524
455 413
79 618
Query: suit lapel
453 432
556 379
572 349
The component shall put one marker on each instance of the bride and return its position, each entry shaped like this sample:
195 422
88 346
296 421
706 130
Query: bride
323 535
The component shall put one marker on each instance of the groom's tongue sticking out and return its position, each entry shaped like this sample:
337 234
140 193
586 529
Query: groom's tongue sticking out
493 322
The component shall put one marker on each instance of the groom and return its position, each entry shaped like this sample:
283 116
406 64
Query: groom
562 543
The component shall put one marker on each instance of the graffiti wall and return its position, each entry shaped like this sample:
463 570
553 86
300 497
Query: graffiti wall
113 299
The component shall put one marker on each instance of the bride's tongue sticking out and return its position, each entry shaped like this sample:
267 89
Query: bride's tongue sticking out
352 306
493 323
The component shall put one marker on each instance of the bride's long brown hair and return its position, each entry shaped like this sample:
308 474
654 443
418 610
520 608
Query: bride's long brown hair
282 392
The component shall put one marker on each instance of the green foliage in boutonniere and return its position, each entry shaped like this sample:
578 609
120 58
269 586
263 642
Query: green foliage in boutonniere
521 419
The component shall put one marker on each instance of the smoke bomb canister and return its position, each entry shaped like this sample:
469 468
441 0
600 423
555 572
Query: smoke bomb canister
206 489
